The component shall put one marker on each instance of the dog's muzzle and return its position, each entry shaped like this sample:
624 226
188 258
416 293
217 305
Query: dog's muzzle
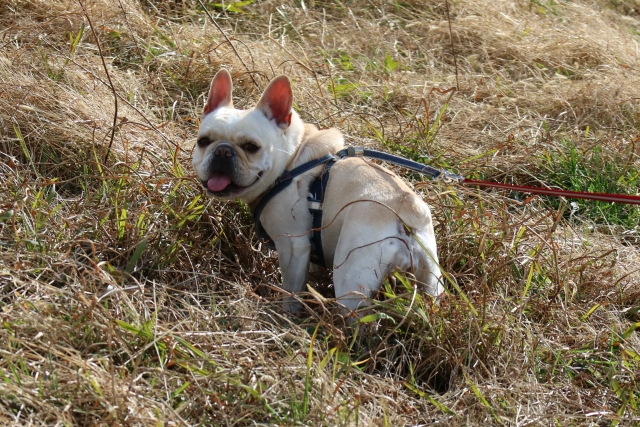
223 161
220 169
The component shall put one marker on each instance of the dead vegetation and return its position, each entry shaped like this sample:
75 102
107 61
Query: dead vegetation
128 298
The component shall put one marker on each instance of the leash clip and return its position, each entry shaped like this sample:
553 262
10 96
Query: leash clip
448 177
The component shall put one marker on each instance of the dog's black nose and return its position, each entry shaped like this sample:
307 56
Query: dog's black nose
223 160
224 150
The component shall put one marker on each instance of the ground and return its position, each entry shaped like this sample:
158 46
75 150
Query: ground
127 297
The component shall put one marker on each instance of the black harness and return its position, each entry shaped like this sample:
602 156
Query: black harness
318 187
316 197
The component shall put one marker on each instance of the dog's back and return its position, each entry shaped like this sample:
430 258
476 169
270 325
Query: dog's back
374 224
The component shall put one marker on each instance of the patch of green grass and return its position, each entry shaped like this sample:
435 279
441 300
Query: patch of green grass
545 6
405 336
419 142
608 364
593 169
627 7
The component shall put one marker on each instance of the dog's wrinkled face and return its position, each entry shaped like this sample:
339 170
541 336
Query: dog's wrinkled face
240 153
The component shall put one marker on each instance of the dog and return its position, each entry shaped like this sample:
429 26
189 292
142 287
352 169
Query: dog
372 222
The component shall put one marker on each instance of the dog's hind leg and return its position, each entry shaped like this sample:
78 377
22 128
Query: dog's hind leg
358 271
426 267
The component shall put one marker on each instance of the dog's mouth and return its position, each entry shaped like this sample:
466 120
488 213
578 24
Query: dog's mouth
217 183
221 185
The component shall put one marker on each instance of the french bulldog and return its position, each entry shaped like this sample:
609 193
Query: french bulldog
373 223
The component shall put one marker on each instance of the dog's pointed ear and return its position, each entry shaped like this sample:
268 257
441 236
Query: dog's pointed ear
277 100
220 92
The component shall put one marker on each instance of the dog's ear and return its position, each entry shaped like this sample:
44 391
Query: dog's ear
277 100
220 92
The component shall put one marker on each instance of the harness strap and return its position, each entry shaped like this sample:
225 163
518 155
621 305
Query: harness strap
281 183
318 187
317 191
436 174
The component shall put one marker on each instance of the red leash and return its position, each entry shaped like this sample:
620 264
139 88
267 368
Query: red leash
616 198
451 178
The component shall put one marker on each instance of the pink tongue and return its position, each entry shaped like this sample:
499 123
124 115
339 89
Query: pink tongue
218 183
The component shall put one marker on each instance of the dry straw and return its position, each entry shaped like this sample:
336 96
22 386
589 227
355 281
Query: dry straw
128 298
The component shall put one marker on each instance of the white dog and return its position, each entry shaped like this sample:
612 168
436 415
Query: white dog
372 223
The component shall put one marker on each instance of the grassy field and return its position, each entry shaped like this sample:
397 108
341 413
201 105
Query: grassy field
129 298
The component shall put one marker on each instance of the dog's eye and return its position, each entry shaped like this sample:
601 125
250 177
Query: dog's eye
250 147
203 142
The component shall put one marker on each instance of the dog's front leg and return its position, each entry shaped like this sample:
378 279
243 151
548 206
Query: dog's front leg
293 253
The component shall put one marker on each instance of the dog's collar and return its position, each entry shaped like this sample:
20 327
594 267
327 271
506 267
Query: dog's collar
281 183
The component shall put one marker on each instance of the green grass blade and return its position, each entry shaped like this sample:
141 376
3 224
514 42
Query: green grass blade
591 311
136 255
326 358
630 330
376 316
431 399
307 380
182 388
483 400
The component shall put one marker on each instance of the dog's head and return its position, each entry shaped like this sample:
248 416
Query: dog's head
240 153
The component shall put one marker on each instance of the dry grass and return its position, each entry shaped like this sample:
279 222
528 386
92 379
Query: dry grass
128 298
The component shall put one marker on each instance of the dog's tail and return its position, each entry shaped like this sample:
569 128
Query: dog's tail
414 212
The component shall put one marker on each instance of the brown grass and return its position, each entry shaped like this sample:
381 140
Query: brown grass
128 298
